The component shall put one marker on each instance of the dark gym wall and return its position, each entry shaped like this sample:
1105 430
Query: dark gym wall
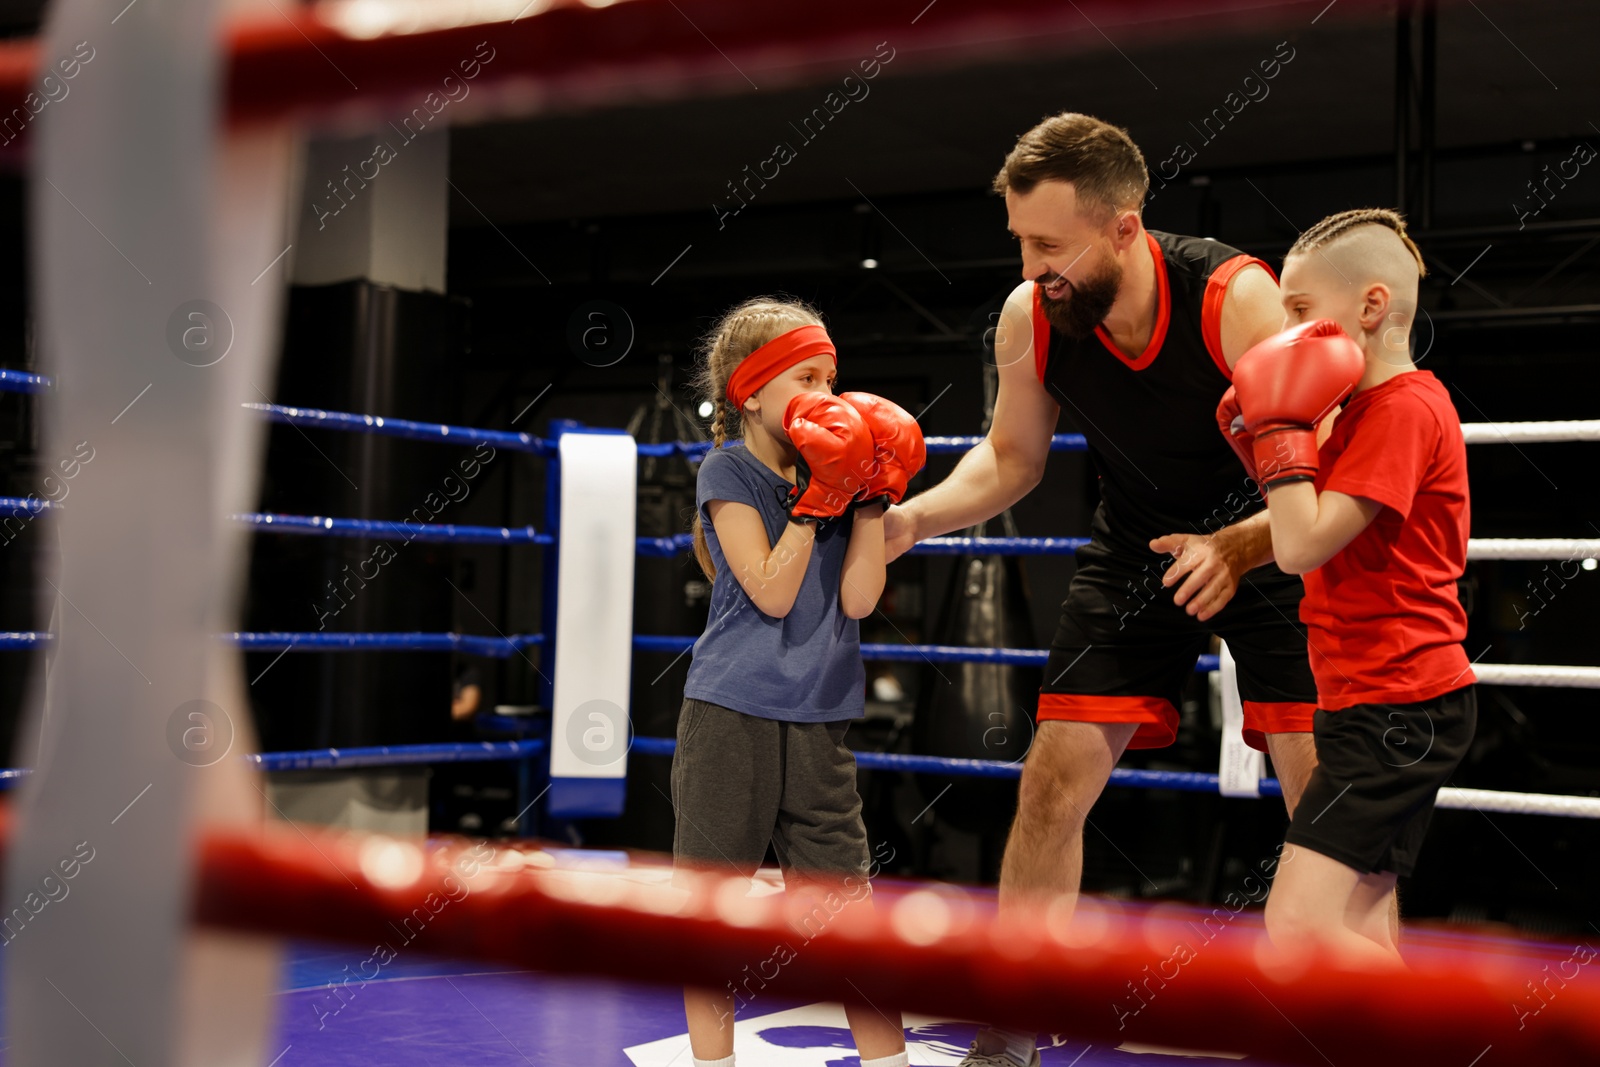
900 179
406 348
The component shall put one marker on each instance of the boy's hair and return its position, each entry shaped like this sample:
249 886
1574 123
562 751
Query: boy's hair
1335 226
738 333
1101 161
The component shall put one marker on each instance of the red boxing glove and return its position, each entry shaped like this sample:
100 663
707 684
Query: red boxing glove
897 449
1231 422
835 449
1285 386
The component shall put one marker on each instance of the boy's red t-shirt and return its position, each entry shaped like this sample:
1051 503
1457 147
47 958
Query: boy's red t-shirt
1385 623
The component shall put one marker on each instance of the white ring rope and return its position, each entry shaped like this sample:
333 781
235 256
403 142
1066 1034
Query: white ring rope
1510 433
1527 674
1562 548
1520 803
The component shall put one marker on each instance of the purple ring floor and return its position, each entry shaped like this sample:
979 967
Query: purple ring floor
438 1013
429 1012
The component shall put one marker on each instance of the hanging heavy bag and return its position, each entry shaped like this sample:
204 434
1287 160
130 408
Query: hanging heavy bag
979 710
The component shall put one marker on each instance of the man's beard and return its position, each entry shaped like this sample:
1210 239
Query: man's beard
1087 305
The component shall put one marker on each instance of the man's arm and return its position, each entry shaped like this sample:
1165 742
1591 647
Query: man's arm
1210 566
1253 539
1007 463
1252 311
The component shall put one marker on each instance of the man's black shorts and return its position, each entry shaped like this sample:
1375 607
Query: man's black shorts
1124 650
1379 769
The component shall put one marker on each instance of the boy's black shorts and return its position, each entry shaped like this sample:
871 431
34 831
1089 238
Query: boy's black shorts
1379 769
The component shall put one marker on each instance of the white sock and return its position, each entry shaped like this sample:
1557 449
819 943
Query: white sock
726 1061
899 1059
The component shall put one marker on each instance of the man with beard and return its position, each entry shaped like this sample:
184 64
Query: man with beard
1136 334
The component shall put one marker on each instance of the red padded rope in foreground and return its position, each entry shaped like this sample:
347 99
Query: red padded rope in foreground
360 63
931 949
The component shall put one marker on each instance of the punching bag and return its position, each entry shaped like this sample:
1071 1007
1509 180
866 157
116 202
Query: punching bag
980 710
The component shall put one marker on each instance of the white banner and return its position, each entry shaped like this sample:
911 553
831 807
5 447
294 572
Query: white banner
590 727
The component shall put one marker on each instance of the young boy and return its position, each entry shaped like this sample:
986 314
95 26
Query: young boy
1376 522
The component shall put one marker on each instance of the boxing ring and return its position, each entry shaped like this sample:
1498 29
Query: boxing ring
522 947
514 644
554 910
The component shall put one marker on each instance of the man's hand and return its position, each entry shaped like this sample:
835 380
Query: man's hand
1208 566
899 532
465 704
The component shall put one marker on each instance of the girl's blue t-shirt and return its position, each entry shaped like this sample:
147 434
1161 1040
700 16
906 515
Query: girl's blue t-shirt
804 667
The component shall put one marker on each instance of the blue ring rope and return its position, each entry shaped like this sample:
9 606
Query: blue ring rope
24 639
21 381
396 755
25 382
998 546
1187 781
321 641
1061 442
323 526
415 431
410 755
677 544
374 756
1019 657
514 644
936 446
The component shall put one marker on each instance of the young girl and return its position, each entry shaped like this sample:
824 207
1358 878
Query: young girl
789 527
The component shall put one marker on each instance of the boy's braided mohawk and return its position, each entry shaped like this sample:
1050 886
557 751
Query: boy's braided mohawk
1334 226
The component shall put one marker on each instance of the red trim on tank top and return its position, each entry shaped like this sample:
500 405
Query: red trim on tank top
1163 316
1211 306
1041 328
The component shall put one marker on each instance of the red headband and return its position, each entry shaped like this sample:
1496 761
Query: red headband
775 357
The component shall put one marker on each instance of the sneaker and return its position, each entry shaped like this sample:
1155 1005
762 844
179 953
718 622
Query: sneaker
974 1058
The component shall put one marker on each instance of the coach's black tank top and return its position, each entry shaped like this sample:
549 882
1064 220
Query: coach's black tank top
1150 417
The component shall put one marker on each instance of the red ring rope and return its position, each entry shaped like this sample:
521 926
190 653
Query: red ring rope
309 882
293 63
